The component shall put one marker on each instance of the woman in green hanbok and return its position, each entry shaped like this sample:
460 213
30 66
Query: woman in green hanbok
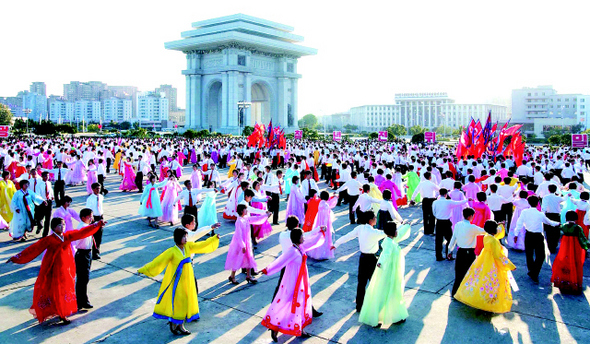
384 301
412 180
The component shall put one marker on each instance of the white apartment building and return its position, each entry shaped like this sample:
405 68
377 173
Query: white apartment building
457 115
61 111
152 107
543 107
117 109
428 110
87 111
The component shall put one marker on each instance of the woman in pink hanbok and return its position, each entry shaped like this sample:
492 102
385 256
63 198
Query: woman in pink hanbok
240 254
471 188
196 179
296 202
92 177
263 230
169 193
457 195
515 239
128 182
482 211
388 184
78 171
291 310
324 218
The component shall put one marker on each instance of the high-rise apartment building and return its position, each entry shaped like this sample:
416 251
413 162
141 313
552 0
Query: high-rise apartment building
92 90
61 111
39 88
152 107
171 95
117 109
87 111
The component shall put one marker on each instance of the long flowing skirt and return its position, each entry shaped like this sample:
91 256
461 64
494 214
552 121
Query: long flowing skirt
263 230
92 178
207 215
169 209
128 182
568 266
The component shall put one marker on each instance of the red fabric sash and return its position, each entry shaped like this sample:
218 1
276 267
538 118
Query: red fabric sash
302 270
148 204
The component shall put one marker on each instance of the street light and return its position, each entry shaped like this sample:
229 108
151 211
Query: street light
27 111
444 123
242 106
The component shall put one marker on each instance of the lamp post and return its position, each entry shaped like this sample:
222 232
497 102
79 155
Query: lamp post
444 124
27 111
242 106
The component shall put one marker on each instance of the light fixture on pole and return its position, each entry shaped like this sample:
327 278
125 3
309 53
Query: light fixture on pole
27 111
242 106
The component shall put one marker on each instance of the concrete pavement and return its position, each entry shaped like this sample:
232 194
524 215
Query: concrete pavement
123 301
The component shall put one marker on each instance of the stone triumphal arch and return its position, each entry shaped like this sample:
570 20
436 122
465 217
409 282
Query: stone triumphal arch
240 58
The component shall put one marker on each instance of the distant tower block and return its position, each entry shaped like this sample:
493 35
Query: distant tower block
240 58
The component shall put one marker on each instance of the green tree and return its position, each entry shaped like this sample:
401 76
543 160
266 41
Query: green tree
416 129
125 126
397 130
66 129
190 134
248 130
310 134
351 127
373 136
566 139
5 115
554 140
308 121
418 137
93 128
135 125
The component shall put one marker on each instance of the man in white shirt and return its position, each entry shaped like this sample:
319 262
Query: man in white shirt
43 210
465 236
273 187
189 198
352 188
506 191
83 261
101 174
369 238
94 203
428 190
532 220
442 209
364 204
551 206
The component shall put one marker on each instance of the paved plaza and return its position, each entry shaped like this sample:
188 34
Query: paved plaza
123 301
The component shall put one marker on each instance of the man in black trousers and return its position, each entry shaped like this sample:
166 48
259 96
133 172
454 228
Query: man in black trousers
465 236
369 238
43 210
139 174
442 209
427 190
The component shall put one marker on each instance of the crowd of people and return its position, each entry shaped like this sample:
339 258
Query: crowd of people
479 205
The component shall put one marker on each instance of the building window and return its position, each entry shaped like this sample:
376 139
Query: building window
290 68
529 95
241 60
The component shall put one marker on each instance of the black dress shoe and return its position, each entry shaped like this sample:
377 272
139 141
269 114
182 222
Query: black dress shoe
305 335
439 259
86 306
315 313
96 257
183 331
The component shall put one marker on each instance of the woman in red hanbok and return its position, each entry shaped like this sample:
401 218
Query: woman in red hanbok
290 311
568 266
54 293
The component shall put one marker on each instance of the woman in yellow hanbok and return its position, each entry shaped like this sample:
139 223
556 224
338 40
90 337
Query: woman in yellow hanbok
7 190
117 163
486 285
177 298
232 166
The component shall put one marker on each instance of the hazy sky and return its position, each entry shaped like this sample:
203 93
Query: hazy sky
367 50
